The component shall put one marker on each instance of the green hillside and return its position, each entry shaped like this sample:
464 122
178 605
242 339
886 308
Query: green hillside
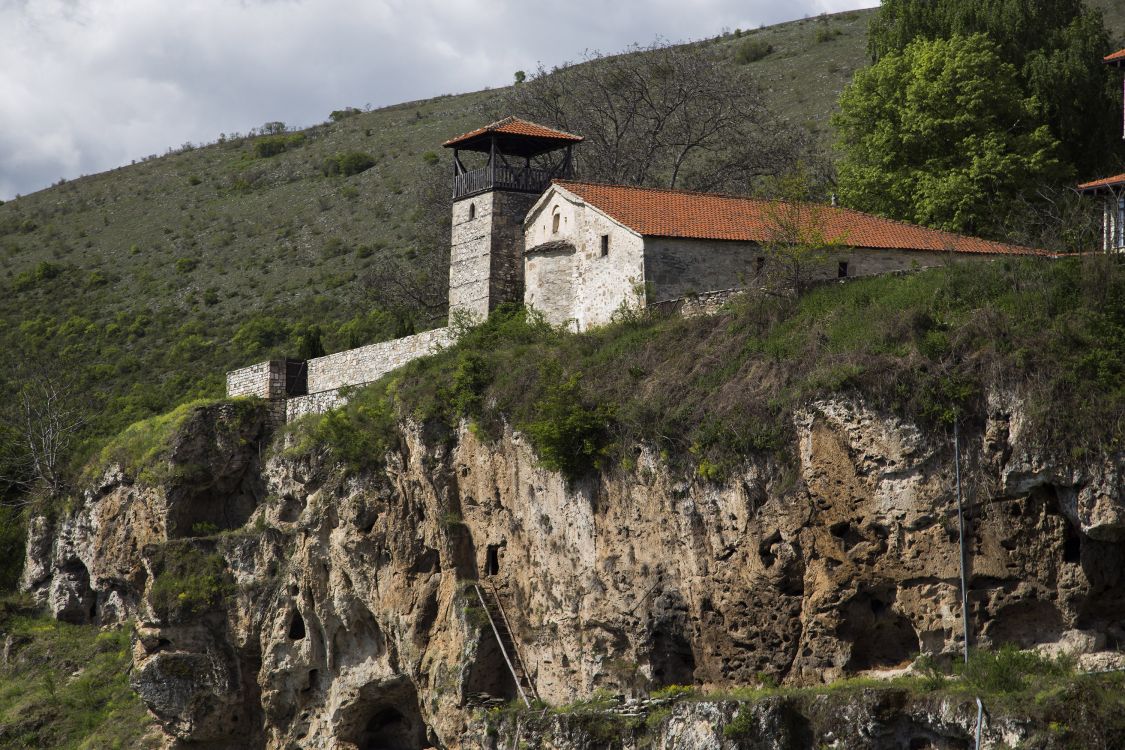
147 282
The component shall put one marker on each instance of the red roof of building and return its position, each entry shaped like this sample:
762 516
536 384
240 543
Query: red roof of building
515 126
675 213
1118 56
1093 187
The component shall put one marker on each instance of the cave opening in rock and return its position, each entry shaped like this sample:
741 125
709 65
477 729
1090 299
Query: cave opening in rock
492 560
388 729
296 627
489 674
880 636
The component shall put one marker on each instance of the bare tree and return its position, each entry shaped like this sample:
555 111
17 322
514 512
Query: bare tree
42 422
799 242
664 115
412 282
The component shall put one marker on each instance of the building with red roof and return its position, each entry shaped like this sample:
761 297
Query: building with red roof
1111 190
591 248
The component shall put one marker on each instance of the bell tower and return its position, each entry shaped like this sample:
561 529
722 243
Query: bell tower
515 161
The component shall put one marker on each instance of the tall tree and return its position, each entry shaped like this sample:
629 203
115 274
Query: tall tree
664 115
1056 47
938 133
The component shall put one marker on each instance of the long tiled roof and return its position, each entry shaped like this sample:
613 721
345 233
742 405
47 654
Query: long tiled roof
1093 186
515 126
1118 56
674 213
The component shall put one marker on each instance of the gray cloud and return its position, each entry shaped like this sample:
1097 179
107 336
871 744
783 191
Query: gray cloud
87 85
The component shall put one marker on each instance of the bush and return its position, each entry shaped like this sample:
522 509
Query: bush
347 164
272 145
43 271
1009 670
343 114
190 582
568 435
186 265
752 50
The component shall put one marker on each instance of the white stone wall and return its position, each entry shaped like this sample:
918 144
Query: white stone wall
371 362
597 285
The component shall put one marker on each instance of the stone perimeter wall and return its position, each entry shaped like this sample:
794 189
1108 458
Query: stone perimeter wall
371 362
263 380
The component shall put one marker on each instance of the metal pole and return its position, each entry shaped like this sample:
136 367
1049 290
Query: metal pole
961 538
964 566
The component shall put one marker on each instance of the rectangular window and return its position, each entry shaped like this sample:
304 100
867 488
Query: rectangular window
605 245
842 270
759 264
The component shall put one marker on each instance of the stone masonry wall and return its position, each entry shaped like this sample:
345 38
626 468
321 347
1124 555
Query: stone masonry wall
371 362
314 403
676 268
486 251
264 380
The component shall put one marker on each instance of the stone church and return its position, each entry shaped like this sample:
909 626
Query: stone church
525 230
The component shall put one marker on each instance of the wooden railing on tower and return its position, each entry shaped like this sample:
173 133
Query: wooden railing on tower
503 177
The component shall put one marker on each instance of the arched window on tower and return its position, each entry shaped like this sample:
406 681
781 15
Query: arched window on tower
472 211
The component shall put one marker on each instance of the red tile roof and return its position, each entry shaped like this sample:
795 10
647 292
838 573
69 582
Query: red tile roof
515 126
1118 56
674 213
1092 187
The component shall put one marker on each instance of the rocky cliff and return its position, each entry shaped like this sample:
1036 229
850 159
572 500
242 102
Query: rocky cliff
328 609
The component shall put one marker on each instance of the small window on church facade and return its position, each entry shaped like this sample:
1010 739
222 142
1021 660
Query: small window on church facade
605 245
472 211
555 222
842 270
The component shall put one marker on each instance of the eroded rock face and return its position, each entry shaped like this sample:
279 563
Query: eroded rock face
354 621
88 566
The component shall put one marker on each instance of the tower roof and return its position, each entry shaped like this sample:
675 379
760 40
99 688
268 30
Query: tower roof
514 136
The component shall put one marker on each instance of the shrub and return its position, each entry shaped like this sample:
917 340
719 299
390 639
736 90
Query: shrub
272 145
43 271
343 114
190 582
824 33
186 265
347 163
568 435
1008 669
752 50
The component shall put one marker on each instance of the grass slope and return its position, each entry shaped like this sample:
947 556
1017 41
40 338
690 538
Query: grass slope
67 687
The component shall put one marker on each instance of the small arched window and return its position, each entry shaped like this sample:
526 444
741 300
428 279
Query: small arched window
472 211
555 221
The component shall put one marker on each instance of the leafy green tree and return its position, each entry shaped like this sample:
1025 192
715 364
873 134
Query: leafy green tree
937 133
1056 47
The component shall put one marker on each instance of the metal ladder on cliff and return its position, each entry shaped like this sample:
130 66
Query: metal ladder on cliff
490 600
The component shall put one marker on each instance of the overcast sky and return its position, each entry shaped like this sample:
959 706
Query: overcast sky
87 85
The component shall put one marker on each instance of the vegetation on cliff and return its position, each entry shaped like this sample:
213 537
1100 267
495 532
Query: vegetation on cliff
711 390
67 686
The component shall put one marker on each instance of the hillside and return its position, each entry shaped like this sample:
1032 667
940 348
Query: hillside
149 281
